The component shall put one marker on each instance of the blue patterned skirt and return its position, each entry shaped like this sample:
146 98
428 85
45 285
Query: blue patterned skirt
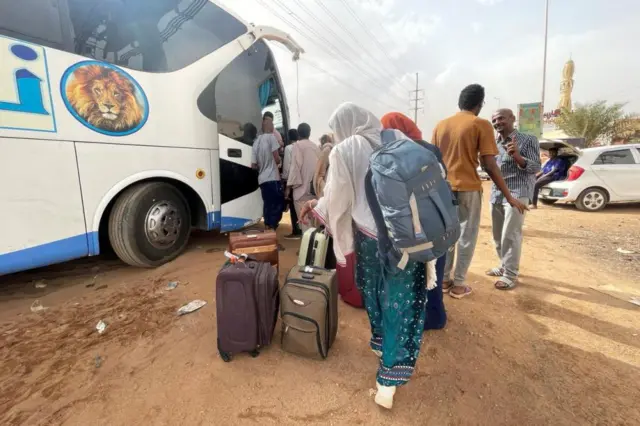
395 304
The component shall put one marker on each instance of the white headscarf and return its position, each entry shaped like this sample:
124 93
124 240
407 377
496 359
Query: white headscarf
344 202
350 120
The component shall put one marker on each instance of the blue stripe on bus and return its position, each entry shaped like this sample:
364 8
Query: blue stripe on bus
214 220
88 245
227 223
48 254
234 223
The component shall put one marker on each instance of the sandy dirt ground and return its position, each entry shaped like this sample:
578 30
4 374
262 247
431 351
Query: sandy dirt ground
555 351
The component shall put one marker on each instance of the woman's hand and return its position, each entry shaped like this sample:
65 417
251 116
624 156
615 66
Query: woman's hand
306 211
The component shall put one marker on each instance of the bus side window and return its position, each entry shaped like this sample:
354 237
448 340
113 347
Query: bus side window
144 35
37 21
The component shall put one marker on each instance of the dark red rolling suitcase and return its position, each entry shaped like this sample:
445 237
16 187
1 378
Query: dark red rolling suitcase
347 282
247 304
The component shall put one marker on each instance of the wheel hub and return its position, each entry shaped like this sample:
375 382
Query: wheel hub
593 200
162 224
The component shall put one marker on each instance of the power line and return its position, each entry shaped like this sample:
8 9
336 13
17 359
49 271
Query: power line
372 35
339 80
377 64
337 54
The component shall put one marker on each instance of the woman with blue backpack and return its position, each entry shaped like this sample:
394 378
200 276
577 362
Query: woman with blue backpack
394 298
436 314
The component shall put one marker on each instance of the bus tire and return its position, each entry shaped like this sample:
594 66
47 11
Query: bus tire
149 224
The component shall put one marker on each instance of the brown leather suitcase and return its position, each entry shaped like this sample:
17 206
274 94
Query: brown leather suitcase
247 303
257 244
309 311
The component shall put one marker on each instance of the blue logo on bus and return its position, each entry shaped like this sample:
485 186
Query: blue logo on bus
25 97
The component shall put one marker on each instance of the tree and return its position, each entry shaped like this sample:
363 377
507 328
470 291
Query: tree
595 121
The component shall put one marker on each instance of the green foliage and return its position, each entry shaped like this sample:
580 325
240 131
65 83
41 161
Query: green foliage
595 122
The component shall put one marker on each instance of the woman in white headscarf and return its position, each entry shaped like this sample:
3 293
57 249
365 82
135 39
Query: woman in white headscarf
395 302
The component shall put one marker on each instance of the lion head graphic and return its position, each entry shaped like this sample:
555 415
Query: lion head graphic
105 98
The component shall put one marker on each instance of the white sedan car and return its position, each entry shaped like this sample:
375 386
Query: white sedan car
598 176
483 175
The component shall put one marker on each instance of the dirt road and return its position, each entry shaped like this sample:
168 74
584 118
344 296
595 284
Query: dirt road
551 352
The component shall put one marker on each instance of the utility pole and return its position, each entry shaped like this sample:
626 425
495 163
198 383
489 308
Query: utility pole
544 61
415 98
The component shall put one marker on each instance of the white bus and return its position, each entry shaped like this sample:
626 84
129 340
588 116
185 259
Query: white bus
126 123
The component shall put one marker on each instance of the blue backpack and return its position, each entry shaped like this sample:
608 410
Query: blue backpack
413 206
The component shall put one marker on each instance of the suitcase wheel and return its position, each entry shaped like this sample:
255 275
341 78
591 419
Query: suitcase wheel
226 356
254 353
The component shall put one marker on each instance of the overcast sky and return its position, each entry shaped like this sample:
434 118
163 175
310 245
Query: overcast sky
497 43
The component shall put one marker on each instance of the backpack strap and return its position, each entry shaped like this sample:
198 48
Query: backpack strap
409 250
388 136
385 247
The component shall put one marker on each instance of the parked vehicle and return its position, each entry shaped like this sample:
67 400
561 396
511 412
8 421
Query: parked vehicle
127 124
483 175
597 177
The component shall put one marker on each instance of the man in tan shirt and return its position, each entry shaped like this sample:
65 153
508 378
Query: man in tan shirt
465 140
305 156
320 178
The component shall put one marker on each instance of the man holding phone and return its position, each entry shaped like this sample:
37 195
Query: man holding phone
519 161
466 140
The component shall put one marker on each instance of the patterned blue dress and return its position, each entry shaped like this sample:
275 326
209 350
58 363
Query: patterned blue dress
395 304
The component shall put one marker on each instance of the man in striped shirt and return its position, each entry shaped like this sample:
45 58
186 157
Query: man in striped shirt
519 161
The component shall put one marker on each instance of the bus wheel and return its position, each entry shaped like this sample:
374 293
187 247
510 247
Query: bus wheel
149 224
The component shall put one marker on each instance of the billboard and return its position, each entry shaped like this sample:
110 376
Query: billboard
530 119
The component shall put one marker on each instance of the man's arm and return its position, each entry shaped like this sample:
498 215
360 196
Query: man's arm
490 165
286 162
550 173
254 160
434 137
275 147
278 137
488 151
528 158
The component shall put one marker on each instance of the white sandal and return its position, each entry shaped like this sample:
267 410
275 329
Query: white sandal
495 272
384 396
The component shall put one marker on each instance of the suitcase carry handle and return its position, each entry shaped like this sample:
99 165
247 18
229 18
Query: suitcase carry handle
236 258
251 232
312 270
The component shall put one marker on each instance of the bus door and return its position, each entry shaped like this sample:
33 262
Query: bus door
237 98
